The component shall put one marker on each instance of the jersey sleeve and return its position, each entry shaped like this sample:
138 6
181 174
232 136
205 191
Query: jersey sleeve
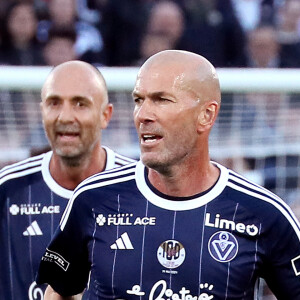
282 272
65 263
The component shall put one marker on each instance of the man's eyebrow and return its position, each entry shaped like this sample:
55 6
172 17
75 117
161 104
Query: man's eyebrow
154 94
158 94
80 98
51 97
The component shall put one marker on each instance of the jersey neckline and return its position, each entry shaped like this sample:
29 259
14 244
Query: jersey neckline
180 205
52 184
58 189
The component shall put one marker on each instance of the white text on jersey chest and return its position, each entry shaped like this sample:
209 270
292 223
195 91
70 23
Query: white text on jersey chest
217 222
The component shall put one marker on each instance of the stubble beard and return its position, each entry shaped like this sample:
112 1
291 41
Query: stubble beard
160 165
73 155
164 163
70 159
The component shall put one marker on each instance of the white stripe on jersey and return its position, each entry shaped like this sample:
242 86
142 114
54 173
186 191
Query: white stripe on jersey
115 160
268 197
108 174
20 174
20 169
105 178
260 189
237 177
23 162
123 160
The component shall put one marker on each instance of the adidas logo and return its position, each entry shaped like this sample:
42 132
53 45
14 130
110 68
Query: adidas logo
33 229
122 243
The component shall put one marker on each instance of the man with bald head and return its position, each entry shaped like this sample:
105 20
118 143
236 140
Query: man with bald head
175 225
35 192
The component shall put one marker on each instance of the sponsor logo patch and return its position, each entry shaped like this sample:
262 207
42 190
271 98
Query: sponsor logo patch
223 246
33 229
35 292
122 243
33 209
124 219
52 256
217 222
160 291
296 265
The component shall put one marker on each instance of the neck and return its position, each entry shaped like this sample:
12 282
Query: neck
69 172
185 181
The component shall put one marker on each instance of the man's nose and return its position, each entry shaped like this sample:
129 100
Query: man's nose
145 112
66 113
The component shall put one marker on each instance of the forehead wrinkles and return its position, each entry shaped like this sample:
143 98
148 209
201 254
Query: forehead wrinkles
186 72
146 78
169 75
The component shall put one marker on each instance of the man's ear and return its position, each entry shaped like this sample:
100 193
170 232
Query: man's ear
207 115
106 115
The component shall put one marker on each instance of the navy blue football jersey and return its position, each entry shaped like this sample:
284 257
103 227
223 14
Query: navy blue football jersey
129 241
31 206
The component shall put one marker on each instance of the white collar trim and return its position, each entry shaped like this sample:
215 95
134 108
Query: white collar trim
52 184
180 205
58 189
110 158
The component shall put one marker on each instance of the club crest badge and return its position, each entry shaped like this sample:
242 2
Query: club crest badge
223 246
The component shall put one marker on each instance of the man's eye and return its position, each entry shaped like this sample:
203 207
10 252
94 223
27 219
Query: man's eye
79 104
162 99
137 100
53 102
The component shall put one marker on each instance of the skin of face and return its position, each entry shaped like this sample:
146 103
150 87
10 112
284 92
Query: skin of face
263 46
174 108
22 24
74 109
59 50
63 12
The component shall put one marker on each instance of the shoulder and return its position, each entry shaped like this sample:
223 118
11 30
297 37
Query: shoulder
115 160
106 178
263 202
122 160
250 189
22 168
252 196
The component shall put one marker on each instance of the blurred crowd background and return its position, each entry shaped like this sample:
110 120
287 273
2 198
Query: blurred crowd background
230 33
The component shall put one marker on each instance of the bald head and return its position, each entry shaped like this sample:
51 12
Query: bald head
177 99
78 75
75 109
190 72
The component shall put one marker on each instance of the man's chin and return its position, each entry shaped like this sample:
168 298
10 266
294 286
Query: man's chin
68 152
159 163
150 161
